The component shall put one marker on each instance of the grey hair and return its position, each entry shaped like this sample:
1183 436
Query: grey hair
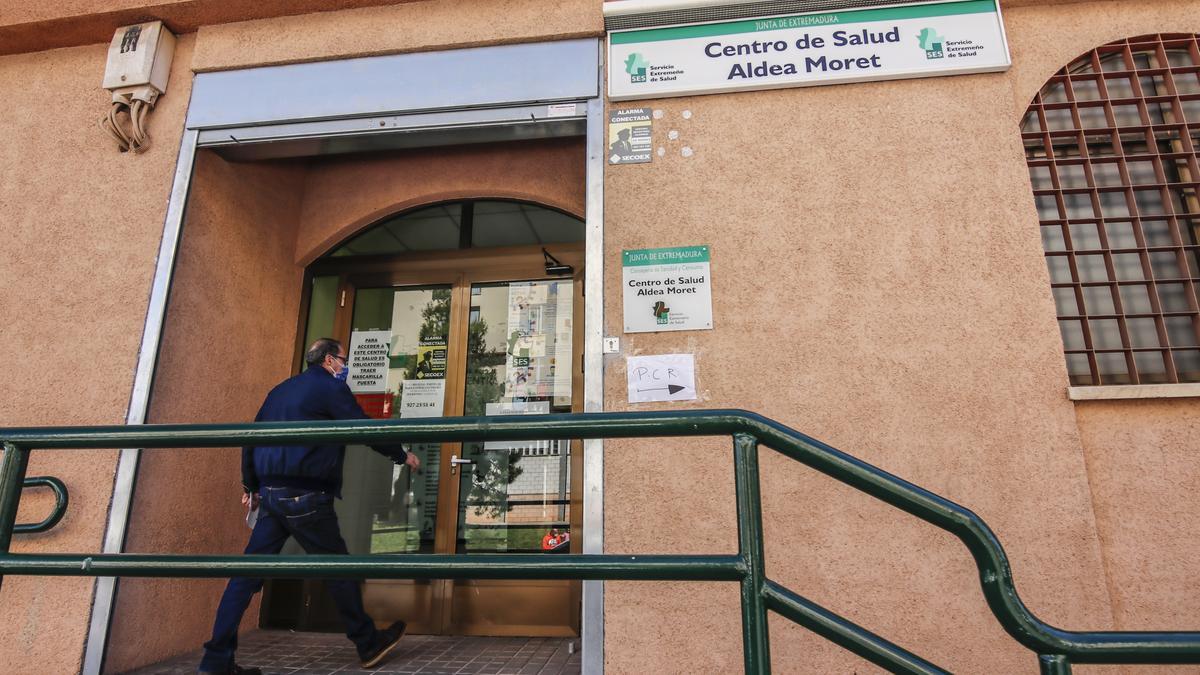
320 349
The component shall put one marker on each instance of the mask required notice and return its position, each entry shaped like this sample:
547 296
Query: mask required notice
369 361
883 43
629 138
667 289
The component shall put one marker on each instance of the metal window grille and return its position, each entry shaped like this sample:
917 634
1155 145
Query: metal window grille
1111 142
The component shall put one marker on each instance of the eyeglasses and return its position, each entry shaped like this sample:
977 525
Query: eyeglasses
343 359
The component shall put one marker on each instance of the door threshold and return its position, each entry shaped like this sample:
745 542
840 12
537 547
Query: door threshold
284 652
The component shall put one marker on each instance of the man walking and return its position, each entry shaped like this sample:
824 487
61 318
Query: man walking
295 487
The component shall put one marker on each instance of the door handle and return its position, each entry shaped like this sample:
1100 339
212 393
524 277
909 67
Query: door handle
455 460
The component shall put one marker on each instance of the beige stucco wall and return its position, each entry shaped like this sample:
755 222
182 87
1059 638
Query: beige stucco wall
1141 456
229 337
418 26
342 195
1044 37
34 26
26 26
68 199
852 301
17 13
879 284
231 333
918 339
1142 462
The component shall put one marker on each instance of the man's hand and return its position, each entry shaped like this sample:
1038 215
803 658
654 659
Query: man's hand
250 500
412 461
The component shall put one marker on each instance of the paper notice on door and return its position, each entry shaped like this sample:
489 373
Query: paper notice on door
369 361
563 336
422 398
537 346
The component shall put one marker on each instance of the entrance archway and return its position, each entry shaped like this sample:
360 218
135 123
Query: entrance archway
264 188
463 307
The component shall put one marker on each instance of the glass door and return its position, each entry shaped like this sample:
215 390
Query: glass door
516 496
398 346
473 335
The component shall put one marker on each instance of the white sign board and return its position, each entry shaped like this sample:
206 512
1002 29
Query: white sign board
422 398
664 377
369 361
800 50
667 289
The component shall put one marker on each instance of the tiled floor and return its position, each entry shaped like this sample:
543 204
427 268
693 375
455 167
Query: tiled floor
286 653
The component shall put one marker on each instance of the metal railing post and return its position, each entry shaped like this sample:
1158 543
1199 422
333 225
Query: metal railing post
1053 664
756 643
61 499
12 480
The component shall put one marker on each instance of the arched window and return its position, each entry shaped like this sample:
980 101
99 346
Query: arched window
474 223
1111 141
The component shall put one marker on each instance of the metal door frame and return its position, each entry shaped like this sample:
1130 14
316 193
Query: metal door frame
483 93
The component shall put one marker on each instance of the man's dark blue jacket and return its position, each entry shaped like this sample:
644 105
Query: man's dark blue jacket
312 395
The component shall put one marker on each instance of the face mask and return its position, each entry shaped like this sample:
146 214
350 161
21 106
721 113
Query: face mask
343 373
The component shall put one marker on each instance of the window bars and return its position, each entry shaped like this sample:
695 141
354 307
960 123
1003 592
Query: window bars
1111 142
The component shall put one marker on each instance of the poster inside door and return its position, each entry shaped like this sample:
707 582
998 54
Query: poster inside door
538 349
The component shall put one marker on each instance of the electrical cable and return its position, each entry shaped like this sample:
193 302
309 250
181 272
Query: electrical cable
137 118
136 138
112 126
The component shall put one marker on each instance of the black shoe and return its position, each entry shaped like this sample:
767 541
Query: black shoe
388 639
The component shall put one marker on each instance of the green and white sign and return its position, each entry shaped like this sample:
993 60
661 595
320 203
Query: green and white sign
803 50
667 289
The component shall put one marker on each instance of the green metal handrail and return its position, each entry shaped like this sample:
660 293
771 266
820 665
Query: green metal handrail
61 499
1057 649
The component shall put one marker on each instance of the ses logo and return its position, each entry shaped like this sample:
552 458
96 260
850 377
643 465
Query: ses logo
636 65
662 313
931 42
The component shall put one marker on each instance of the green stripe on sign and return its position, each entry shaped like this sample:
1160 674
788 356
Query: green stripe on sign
665 256
803 21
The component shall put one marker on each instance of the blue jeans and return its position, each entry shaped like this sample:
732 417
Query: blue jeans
309 517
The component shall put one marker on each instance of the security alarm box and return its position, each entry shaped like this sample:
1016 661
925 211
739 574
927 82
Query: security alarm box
139 61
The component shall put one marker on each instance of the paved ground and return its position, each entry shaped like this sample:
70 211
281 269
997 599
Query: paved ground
280 652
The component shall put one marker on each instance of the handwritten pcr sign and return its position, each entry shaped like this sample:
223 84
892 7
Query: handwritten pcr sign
667 289
800 50
663 377
369 361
